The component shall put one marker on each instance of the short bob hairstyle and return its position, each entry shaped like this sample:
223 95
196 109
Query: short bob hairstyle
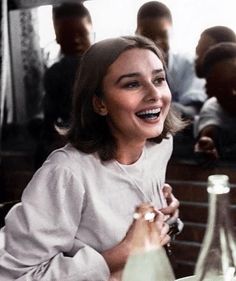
89 131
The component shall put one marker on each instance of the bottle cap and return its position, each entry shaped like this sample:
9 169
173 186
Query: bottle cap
218 184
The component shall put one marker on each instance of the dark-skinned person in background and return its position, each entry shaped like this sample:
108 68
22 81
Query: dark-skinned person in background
216 126
154 21
73 30
208 38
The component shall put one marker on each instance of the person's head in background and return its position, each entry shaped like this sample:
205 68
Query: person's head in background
219 70
154 21
73 27
208 38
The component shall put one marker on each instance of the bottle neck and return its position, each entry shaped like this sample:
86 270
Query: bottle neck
217 257
219 213
218 206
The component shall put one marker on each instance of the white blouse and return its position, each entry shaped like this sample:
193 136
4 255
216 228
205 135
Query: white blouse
76 207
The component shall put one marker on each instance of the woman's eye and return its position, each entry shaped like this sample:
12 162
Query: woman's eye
159 80
131 85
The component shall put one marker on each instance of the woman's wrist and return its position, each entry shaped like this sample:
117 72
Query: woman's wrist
117 256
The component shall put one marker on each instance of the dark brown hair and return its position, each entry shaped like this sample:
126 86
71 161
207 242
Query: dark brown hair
89 131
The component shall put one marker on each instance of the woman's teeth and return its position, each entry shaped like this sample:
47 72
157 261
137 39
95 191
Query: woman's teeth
149 114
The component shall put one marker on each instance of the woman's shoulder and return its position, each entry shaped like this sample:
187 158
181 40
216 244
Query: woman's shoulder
70 157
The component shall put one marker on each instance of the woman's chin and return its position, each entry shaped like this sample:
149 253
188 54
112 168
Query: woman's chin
155 134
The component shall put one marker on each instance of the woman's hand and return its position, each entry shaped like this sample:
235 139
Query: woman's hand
117 256
163 228
172 210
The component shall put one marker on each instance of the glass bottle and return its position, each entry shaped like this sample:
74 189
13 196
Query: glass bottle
217 258
148 260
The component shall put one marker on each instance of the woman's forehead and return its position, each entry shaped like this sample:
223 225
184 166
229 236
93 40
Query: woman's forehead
134 51
133 57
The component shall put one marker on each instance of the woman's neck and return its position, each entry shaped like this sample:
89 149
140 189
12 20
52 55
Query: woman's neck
129 154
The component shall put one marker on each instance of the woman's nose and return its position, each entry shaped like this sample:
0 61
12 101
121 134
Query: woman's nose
152 93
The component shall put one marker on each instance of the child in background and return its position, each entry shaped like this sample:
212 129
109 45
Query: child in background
216 126
154 21
73 28
208 38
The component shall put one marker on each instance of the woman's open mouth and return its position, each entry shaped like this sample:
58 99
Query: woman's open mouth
150 114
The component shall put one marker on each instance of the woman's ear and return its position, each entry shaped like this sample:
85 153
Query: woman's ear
99 106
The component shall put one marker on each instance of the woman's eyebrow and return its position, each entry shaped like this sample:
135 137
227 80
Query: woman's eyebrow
134 74
128 75
157 71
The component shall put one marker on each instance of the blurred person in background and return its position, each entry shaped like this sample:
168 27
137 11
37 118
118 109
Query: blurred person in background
208 38
73 30
154 21
216 126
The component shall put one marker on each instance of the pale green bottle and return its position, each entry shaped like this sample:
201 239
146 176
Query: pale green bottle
217 258
148 260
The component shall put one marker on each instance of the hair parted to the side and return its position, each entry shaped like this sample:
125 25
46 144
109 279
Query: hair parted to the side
89 131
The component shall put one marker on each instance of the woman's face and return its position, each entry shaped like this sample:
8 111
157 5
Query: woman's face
136 97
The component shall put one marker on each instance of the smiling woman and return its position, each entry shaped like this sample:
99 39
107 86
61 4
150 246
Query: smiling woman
75 219
120 144
128 88
137 104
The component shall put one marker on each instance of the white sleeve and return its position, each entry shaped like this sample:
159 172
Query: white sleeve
210 115
41 229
